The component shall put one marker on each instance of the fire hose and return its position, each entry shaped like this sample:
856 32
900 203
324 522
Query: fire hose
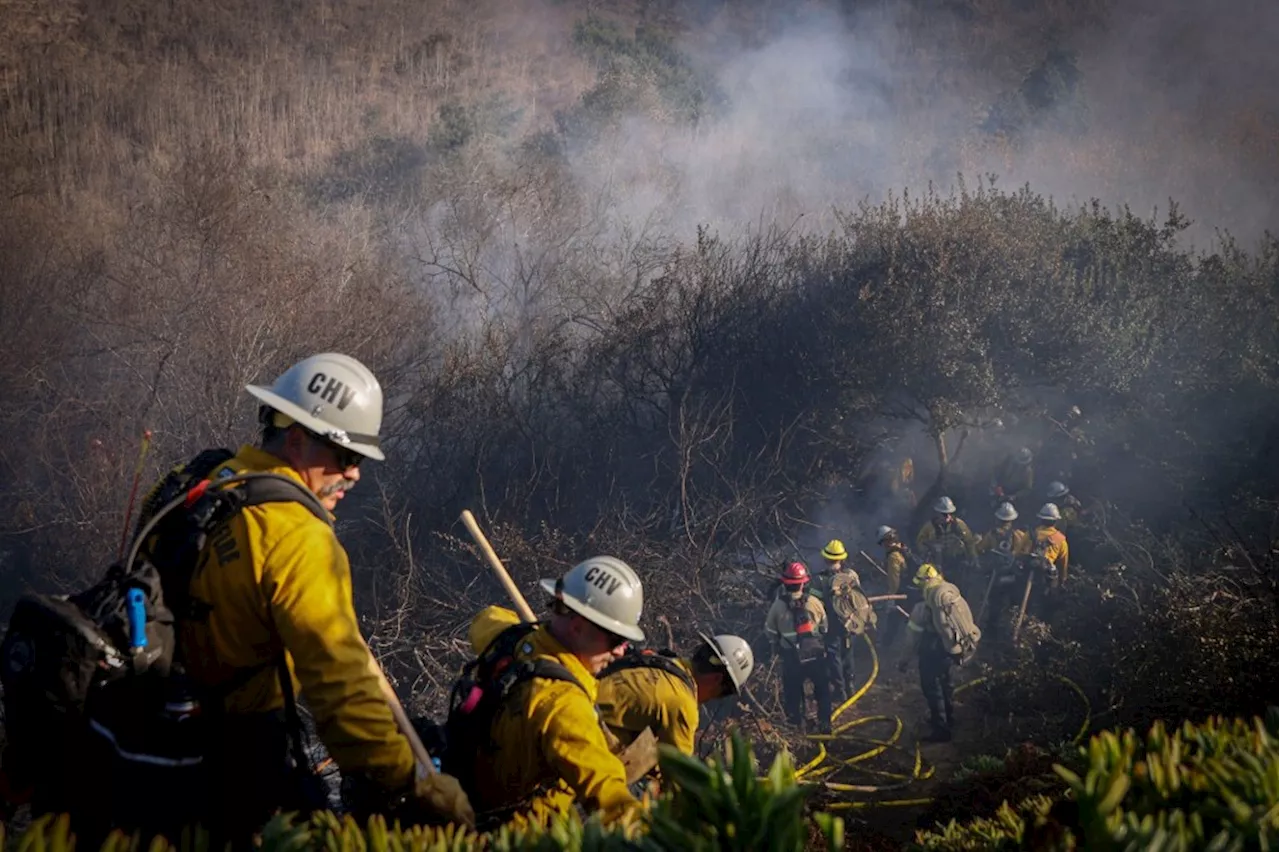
824 765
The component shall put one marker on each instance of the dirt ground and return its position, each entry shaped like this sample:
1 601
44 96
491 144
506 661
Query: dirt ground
984 725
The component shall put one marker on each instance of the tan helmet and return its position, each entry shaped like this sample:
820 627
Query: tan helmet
735 653
1057 489
1023 456
332 395
1049 512
605 591
885 532
1006 512
944 506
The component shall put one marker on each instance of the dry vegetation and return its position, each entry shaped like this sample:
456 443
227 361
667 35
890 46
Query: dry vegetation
195 195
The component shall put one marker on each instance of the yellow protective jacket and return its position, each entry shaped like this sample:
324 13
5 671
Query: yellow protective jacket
895 565
1009 542
780 625
275 579
1055 548
955 540
642 697
548 748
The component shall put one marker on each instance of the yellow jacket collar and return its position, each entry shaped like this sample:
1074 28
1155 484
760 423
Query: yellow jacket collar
251 459
548 645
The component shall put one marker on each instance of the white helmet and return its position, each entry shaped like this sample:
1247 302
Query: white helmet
604 591
884 532
736 655
1057 489
334 396
1049 512
944 506
1006 512
1023 456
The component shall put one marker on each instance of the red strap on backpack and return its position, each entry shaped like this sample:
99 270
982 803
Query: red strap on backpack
196 493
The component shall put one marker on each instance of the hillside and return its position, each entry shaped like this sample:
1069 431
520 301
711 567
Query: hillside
726 111
685 282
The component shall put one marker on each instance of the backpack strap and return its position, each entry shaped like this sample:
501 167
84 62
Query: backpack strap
256 489
260 488
661 660
526 670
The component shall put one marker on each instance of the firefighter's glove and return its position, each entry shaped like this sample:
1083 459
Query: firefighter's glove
438 798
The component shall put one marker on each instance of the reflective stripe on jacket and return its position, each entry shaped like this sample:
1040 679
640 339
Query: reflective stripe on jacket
780 624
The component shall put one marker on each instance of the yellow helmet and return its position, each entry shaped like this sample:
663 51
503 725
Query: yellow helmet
925 575
834 551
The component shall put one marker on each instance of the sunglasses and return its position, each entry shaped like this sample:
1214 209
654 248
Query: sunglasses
344 457
614 640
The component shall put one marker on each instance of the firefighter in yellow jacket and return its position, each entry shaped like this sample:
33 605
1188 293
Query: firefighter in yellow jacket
546 749
1004 550
659 691
1049 552
948 542
1049 543
271 594
895 566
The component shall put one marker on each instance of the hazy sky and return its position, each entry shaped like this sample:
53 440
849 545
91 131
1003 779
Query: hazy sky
1173 100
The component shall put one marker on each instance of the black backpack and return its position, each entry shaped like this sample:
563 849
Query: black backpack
102 668
663 660
479 694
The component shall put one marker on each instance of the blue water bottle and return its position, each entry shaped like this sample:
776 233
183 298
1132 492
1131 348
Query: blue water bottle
136 602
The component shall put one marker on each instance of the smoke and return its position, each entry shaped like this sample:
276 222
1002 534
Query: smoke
1131 103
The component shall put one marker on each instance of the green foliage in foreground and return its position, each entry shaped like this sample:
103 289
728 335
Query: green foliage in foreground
714 805
1207 786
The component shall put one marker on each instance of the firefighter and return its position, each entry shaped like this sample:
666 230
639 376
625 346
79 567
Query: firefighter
1070 508
272 613
659 691
839 587
795 627
948 542
1004 549
895 566
942 635
545 750
1050 541
1014 478
1050 555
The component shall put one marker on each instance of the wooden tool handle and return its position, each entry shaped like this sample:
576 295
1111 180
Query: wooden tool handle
513 591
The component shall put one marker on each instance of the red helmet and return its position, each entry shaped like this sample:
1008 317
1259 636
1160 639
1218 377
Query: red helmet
795 574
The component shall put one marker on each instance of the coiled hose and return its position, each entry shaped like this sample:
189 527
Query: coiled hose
823 764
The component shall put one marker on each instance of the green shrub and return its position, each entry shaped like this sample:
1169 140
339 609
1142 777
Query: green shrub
1207 786
1004 830
715 805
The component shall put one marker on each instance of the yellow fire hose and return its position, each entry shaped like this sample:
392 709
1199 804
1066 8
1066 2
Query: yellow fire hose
821 766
